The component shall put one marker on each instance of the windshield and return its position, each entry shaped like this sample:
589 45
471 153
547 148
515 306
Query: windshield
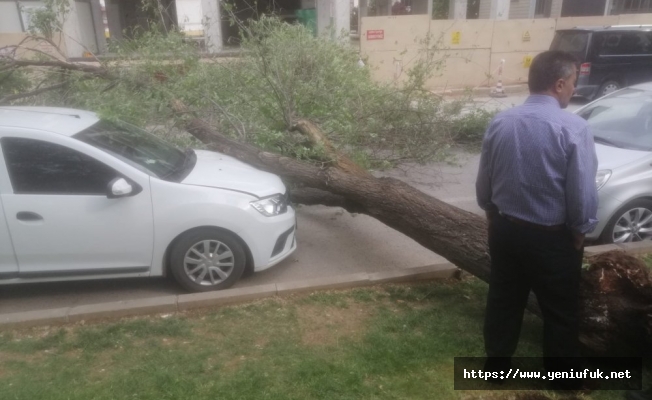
571 42
623 119
139 149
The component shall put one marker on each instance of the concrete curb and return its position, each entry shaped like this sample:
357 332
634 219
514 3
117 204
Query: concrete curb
185 302
120 309
223 297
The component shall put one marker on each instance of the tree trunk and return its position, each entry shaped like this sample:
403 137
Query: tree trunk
613 323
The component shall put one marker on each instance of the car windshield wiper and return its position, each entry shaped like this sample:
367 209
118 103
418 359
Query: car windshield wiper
188 161
608 142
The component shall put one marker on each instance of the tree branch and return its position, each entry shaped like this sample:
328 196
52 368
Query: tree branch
100 72
317 137
32 93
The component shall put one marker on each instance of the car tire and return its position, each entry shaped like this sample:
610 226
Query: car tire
608 87
204 260
638 209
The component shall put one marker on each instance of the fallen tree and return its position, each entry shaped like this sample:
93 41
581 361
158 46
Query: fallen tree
616 291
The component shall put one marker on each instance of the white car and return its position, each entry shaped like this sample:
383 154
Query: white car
621 123
85 198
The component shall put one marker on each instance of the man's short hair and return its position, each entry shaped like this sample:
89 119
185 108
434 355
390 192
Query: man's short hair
549 67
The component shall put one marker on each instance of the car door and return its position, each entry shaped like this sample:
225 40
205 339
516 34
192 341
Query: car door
61 221
624 56
608 60
637 47
8 262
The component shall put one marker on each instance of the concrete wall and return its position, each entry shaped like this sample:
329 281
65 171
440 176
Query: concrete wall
86 26
392 57
471 51
12 39
9 18
79 29
189 14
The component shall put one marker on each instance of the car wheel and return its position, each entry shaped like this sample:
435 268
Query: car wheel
207 259
632 223
608 87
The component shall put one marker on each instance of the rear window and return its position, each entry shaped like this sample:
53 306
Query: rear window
573 42
624 43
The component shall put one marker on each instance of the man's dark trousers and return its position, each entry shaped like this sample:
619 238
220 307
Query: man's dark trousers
525 258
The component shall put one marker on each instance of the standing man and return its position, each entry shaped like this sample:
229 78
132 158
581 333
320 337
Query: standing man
536 183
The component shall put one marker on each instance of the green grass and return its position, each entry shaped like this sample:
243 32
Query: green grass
389 342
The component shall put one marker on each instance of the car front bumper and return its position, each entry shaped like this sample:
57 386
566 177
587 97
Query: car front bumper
275 238
608 205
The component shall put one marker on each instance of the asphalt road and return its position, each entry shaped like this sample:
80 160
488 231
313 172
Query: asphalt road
330 242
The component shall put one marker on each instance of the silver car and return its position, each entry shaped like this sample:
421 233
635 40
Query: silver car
622 126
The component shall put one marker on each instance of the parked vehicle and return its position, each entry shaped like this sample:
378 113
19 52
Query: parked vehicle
611 57
85 198
621 123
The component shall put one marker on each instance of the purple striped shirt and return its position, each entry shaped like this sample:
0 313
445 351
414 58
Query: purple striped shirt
538 164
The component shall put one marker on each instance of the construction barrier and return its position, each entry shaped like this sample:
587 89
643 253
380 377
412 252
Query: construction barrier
471 51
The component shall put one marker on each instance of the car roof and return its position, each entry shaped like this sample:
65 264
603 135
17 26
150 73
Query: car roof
64 121
610 28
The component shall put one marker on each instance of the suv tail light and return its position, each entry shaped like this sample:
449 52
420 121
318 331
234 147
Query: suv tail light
585 69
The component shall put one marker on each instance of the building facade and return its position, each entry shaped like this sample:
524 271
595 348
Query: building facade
528 9
90 24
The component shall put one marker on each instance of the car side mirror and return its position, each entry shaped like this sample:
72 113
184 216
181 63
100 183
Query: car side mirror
119 187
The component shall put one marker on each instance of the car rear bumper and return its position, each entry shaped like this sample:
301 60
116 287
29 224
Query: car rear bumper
587 91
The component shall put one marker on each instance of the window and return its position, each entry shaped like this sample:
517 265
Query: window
574 42
625 43
137 148
38 167
631 6
543 8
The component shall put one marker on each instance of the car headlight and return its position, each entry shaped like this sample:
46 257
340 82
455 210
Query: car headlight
271 206
602 177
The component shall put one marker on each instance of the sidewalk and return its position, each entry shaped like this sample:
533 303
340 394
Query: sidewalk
184 302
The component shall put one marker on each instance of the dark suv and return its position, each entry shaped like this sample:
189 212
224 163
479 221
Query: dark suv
611 57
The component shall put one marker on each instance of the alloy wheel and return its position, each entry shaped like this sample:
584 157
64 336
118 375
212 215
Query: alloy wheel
209 262
634 225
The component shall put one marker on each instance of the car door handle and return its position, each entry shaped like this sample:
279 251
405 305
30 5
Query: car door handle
28 216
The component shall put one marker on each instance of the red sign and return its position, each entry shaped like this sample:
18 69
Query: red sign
376 35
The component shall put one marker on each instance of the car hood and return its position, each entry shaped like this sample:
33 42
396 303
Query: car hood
613 157
221 171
